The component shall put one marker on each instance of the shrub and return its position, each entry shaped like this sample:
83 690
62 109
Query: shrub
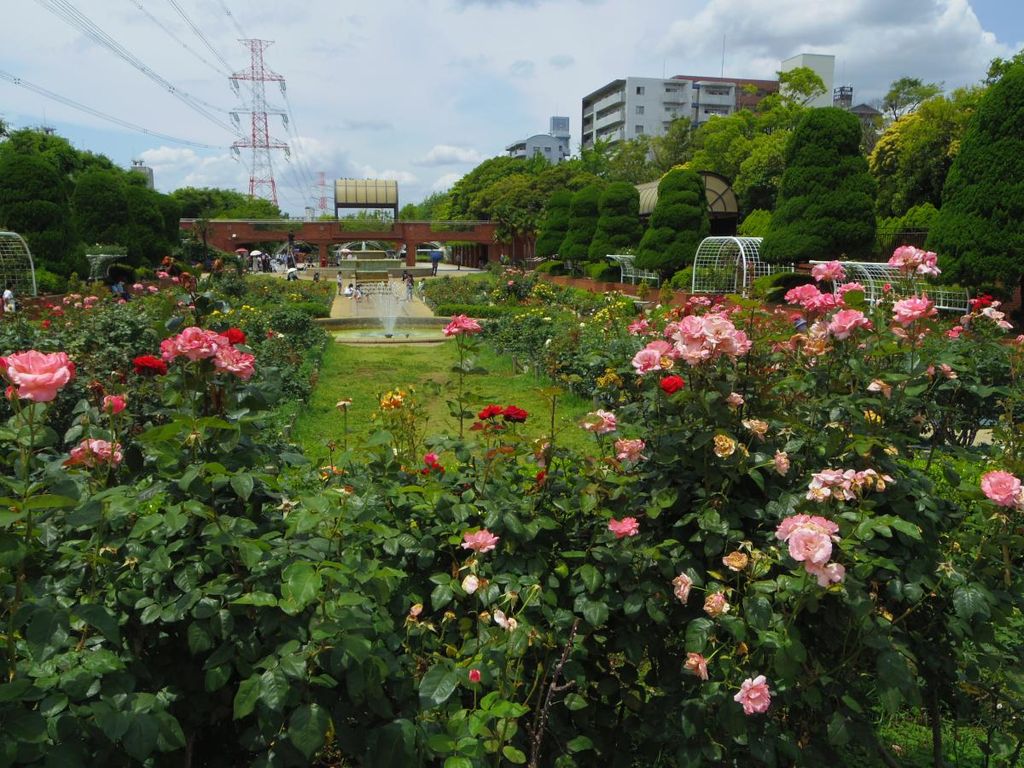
826 200
49 282
678 224
555 224
478 310
683 279
603 271
756 223
979 232
583 216
618 226
550 267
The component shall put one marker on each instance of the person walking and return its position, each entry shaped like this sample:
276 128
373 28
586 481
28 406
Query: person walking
341 284
435 260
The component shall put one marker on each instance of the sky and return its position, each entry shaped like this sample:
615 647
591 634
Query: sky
423 90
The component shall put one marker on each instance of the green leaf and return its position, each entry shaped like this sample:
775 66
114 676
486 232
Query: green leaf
273 689
969 601
579 744
458 762
242 485
595 612
438 685
100 617
302 585
256 598
697 633
307 729
514 755
590 577
247 696
140 739
575 702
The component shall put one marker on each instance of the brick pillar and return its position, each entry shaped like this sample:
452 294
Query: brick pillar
324 253
494 251
410 254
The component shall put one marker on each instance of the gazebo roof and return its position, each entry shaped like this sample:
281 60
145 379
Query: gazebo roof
722 201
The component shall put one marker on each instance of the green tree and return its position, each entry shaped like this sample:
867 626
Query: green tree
515 204
912 157
999 67
979 232
906 94
826 200
144 235
618 225
674 147
678 223
800 85
630 162
196 203
721 144
100 206
32 203
555 224
465 201
756 184
756 224
583 215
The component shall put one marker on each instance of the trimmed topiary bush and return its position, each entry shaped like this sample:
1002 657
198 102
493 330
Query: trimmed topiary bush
619 224
678 224
827 197
756 223
556 223
583 216
979 231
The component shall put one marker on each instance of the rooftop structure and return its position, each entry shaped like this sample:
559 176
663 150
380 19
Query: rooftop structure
553 146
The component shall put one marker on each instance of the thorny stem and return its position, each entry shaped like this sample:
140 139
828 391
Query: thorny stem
540 723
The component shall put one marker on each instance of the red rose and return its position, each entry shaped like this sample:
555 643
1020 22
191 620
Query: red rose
147 365
234 335
512 413
490 412
671 384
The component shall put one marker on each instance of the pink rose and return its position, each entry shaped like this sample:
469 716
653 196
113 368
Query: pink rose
638 327
781 462
647 360
830 573
38 376
846 321
735 400
681 585
697 664
480 541
627 526
954 332
809 537
461 324
832 270
474 675
1002 488
600 422
114 404
153 289
907 311
629 450
802 293
754 695
94 453
230 360
192 343
845 288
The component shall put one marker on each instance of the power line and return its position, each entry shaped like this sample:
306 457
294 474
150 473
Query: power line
199 34
234 21
170 33
71 15
96 113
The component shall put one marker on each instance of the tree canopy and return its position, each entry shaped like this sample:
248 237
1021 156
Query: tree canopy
979 230
678 223
827 197
583 215
618 225
212 203
906 94
555 224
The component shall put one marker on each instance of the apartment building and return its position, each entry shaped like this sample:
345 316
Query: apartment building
645 106
553 146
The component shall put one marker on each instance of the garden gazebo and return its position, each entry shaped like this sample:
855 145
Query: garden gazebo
16 267
874 276
729 265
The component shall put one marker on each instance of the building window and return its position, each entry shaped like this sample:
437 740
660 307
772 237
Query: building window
639 130
639 109
639 90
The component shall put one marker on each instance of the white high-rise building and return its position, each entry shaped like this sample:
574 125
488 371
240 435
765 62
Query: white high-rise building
823 65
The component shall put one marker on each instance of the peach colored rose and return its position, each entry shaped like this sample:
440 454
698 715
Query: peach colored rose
697 664
681 585
754 695
735 561
715 605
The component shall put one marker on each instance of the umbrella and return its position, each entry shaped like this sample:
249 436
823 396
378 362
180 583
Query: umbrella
242 251
292 269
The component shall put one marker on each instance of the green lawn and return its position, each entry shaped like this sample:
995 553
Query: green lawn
364 373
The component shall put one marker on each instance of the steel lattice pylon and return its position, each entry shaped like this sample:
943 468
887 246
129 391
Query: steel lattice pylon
16 267
261 176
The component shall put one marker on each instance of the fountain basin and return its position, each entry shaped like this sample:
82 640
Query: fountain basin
407 330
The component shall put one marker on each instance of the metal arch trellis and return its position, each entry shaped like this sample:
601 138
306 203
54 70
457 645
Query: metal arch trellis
99 262
16 267
730 265
874 276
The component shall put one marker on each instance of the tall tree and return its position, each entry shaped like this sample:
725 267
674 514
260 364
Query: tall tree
678 223
32 203
583 215
555 224
914 154
979 231
618 225
826 200
999 67
906 94
100 206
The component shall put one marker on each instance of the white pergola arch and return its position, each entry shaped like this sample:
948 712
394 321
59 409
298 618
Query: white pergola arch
874 276
730 265
16 266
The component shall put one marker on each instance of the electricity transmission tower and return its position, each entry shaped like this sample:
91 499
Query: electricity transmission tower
261 174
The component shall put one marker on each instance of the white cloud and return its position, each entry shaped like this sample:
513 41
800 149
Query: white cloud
446 154
445 182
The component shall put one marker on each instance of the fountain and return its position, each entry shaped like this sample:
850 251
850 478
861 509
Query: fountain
383 298
383 316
